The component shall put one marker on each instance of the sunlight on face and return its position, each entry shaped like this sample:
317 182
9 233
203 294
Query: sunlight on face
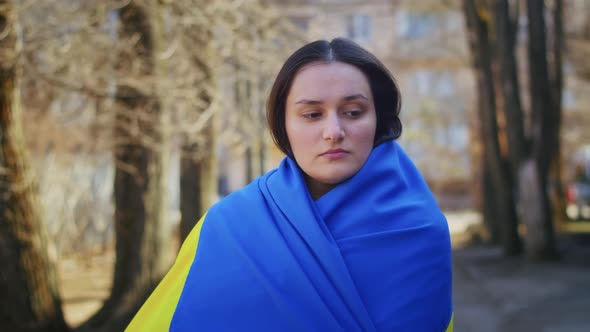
331 121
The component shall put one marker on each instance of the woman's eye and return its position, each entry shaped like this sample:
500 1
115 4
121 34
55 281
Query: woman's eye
312 115
353 113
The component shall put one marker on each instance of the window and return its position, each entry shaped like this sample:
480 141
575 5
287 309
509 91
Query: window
416 25
359 28
445 85
434 83
568 98
302 23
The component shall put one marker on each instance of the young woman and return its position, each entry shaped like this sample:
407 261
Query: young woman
343 236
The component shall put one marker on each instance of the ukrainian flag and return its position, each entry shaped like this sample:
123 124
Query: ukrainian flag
373 254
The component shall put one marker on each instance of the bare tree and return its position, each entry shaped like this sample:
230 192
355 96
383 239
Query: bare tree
545 84
30 299
134 87
529 154
234 70
498 195
198 163
140 178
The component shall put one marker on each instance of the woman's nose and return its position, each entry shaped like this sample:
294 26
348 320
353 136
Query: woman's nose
333 129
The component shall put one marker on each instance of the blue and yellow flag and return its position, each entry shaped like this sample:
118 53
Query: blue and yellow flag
373 254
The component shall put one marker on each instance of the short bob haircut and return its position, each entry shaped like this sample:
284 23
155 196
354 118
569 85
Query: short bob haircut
384 88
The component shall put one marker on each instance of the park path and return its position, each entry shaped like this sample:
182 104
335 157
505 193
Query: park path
497 294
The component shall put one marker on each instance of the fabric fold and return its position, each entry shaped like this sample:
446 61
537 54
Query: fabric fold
373 254
323 260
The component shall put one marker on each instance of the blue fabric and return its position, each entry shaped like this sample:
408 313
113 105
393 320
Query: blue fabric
373 254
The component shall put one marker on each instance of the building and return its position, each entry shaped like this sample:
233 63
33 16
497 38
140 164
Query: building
424 46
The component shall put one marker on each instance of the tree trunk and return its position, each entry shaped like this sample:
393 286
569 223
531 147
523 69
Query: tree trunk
503 194
490 210
208 171
481 179
141 156
198 171
198 182
249 158
535 205
556 70
540 242
505 28
29 299
505 32
242 100
190 190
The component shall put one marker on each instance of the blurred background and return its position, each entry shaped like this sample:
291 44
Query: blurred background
122 121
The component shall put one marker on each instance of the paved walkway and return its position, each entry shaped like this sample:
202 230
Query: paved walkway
493 293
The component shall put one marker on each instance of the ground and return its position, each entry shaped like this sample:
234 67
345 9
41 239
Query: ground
494 293
491 293
85 282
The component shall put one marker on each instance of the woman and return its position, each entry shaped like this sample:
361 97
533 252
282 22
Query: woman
343 236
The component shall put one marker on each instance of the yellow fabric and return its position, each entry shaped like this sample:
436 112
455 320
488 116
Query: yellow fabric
450 327
156 313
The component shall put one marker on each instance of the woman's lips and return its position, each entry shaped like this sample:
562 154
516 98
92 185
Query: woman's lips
335 154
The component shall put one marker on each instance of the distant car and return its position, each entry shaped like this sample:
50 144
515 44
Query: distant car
578 201
578 190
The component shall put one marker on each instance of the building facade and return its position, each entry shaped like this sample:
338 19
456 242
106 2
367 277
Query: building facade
424 46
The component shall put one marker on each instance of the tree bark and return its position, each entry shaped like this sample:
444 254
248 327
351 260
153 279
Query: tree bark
249 158
505 31
190 190
556 76
505 28
198 171
140 187
198 182
502 199
537 212
29 299
490 211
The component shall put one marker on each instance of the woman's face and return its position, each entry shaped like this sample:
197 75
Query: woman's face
330 121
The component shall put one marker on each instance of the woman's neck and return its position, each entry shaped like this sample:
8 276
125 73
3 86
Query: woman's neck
316 188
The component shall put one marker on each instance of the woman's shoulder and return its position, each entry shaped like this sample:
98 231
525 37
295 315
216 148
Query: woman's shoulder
241 212
245 199
240 197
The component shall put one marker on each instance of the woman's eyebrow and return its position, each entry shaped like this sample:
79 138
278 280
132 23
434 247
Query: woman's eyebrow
347 98
308 102
355 96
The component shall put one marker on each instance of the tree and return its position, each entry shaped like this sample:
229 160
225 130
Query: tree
233 70
198 164
498 193
529 154
577 118
30 299
545 87
141 87
140 177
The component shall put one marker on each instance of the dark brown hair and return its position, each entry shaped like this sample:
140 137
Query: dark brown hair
383 87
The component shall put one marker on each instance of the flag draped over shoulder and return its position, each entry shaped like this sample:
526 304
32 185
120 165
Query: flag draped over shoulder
372 254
